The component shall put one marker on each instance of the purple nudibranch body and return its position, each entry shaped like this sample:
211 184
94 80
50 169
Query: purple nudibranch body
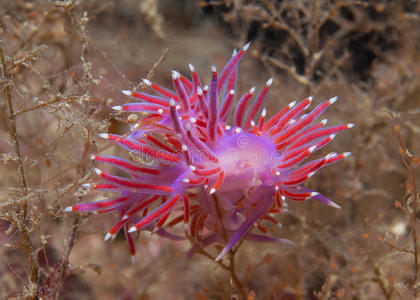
217 179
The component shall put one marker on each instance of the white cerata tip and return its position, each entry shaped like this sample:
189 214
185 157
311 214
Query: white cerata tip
220 256
246 46
213 68
147 82
264 112
104 135
269 82
97 171
127 92
175 75
132 229
117 107
192 69
192 168
312 149
68 209
107 236
330 155
333 99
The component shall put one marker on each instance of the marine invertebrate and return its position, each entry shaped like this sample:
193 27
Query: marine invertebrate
219 180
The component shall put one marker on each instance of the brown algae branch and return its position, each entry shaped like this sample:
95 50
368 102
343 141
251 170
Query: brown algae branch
21 174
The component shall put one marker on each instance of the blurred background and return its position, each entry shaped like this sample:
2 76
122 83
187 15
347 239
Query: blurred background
63 66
